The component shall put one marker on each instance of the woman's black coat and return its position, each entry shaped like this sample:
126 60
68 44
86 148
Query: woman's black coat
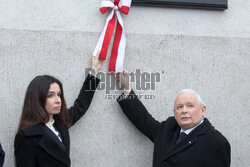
38 146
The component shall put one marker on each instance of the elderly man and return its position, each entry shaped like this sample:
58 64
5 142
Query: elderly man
2 154
186 140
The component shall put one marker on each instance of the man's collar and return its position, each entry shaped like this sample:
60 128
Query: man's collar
190 130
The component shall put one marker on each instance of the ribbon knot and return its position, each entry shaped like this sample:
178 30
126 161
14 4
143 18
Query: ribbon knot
116 8
119 44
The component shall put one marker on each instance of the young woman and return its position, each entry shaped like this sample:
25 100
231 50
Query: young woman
42 139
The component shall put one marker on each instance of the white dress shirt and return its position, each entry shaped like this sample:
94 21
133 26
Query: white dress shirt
191 129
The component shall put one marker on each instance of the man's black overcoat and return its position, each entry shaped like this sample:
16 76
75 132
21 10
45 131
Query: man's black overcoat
204 146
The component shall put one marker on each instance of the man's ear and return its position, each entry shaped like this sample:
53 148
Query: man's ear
203 110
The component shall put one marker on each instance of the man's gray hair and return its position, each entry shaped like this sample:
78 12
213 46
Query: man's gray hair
191 91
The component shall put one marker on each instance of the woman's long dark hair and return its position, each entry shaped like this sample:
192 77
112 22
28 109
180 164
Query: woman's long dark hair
34 103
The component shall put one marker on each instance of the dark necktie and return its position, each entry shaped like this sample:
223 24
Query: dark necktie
182 136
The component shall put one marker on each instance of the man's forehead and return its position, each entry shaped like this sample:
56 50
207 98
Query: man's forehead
187 97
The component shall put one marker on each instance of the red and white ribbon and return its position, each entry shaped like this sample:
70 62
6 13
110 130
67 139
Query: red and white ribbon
118 49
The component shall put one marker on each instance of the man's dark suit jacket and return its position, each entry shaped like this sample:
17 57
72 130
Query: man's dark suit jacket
2 155
38 146
204 146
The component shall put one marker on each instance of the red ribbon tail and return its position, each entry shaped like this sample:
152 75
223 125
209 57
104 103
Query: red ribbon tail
114 52
107 38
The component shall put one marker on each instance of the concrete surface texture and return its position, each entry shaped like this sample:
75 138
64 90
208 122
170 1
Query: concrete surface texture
207 51
83 15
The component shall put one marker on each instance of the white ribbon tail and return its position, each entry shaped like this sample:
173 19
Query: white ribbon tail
122 46
100 41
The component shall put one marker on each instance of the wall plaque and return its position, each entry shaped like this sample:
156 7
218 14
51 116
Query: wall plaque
203 4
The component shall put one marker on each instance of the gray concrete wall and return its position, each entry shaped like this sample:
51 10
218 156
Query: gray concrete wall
83 15
204 50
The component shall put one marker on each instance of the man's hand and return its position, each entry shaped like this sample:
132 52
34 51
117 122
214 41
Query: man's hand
124 79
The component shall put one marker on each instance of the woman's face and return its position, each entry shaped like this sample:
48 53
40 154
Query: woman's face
53 100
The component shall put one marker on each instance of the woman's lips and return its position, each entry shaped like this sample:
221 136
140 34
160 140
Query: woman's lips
58 108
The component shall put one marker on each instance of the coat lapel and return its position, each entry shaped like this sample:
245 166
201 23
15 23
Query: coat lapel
54 149
50 143
64 133
176 148
172 137
52 135
191 139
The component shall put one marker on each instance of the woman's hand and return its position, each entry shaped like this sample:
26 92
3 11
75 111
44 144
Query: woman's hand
96 64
